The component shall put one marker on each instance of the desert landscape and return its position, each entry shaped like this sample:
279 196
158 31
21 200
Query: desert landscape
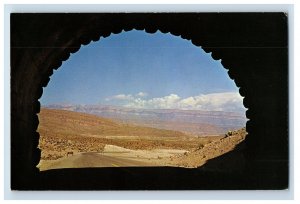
70 139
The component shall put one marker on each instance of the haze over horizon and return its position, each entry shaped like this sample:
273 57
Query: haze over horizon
139 70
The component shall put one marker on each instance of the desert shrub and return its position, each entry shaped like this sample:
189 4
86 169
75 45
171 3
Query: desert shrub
229 133
200 146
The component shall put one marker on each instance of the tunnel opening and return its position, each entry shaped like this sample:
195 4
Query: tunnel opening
138 99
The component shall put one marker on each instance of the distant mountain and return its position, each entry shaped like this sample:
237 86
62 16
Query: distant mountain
189 121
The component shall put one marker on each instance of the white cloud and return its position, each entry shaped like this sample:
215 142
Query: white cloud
227 101
141 94
160 103
123 97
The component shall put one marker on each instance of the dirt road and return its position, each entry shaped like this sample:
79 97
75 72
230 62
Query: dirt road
92 159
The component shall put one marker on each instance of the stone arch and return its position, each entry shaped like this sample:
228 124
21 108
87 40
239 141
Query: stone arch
251 47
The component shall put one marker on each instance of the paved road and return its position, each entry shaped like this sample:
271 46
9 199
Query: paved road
92 159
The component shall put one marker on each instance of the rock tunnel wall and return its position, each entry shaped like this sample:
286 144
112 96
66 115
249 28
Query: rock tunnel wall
252 46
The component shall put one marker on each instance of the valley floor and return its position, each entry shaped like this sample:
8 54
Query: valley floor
116 156
77 140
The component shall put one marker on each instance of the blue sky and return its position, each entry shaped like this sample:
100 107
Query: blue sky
137 69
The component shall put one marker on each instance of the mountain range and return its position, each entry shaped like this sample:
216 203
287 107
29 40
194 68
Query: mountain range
194 122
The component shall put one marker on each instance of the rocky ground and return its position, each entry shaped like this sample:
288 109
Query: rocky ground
199 156
60 138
